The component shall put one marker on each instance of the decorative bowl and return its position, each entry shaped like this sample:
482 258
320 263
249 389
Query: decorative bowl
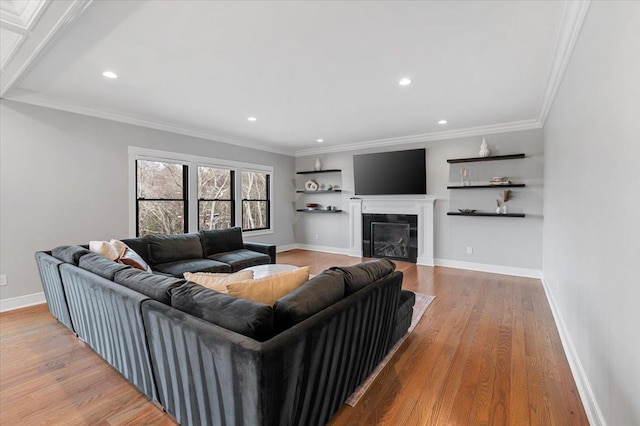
312 205
467 210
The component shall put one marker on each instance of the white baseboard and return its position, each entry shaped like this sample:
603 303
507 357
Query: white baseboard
286 247
594 414
21 301
324 249
484 267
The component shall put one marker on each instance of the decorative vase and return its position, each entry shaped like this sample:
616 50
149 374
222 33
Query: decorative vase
498 210
318 165
504 208
484 149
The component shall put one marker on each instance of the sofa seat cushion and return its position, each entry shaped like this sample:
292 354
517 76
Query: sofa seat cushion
270 288
358 276
178 268
69 254
100 265
317 294
221 240
242 258
246 317
157 287
407 300
171 248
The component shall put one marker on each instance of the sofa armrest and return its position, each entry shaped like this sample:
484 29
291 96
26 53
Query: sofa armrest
269 249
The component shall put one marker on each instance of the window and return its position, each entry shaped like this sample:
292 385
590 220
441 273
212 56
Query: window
255 200
215 198
161 198
173 193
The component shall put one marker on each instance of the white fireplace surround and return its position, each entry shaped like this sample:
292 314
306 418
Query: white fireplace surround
422 207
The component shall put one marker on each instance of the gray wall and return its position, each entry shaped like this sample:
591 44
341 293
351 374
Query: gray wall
64 180
592 208
496 241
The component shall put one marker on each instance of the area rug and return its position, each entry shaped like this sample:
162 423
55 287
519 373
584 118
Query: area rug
422 303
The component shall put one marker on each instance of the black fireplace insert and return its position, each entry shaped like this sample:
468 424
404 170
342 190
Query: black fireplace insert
394 236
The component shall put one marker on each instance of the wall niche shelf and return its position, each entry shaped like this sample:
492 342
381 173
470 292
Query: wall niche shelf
486 214
511 185
318 211
310 172
319 191
494 158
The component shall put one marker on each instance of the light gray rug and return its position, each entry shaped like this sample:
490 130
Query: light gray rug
422 303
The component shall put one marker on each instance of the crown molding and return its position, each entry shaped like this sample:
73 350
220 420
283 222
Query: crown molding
23 20
573 15
14 72
33 98
512 126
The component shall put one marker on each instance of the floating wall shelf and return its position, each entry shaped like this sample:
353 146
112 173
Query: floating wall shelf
511 185
309 172
486 214
318 211
320 191
494 158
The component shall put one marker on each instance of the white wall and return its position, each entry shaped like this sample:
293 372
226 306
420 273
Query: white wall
504 242
592 212
64 180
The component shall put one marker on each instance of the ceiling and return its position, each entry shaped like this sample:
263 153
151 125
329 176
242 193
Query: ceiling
306 70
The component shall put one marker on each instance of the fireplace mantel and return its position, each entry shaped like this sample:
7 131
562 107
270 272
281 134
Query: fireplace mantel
423 207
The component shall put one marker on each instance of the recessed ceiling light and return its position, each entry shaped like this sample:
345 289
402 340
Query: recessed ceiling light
252 119
319 140
442 122
110 74
404 82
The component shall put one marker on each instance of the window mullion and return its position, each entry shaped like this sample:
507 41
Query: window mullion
192 198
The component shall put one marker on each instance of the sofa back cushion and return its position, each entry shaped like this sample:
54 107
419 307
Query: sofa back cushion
248 318
221 240
157 287
358 276
69 254
172 248
100 265
318 293
140 246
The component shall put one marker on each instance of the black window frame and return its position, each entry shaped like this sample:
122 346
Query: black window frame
184 199
232 193
267 200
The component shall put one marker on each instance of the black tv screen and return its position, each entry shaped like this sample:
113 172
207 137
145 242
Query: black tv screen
391 173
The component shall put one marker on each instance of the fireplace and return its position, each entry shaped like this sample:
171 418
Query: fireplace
394 236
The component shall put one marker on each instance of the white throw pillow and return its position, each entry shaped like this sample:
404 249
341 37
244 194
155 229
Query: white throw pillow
104 248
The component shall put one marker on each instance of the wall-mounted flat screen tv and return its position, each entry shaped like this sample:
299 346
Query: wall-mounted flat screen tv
391 173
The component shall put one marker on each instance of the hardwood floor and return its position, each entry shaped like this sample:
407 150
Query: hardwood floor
487 351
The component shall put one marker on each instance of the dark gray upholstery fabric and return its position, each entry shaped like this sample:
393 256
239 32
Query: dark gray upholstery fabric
221 240
318 293
108 317
140 246
157 287
240 259
358 276
243 316
268 249
48 266
299 377
171 248
69 254
178 268
100 265
400 328
407 300
404 315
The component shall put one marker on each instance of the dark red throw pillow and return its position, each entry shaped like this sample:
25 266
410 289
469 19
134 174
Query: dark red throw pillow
133 259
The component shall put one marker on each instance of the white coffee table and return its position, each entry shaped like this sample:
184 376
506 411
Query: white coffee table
261 271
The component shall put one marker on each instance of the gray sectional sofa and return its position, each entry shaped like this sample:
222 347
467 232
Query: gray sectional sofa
209 358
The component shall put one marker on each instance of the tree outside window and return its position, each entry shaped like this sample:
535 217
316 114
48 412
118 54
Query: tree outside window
161 206
215 198
255 201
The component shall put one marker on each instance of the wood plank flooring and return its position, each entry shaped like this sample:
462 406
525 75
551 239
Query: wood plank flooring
486 352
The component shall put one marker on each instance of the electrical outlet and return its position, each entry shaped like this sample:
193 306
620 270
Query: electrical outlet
317 236
3 280
469 250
